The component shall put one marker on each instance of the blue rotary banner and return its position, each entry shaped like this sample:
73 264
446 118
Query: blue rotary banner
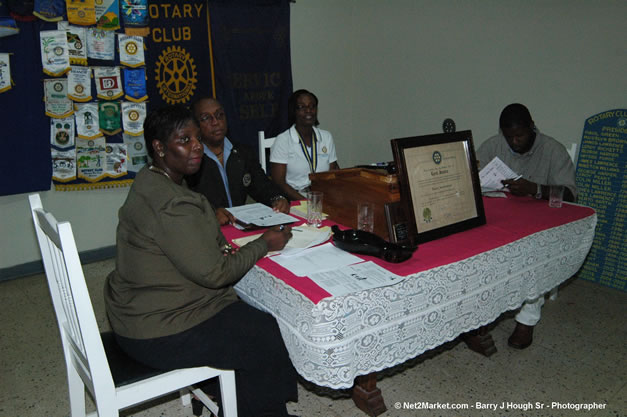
178 62
251 50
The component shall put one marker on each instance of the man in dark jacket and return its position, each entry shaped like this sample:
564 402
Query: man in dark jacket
229 172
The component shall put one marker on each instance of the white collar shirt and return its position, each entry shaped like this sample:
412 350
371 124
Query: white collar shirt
287 150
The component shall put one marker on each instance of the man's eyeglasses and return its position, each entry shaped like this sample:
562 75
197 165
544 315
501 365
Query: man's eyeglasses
210 118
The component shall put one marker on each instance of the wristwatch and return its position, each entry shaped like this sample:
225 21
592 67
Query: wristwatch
538 192
277 198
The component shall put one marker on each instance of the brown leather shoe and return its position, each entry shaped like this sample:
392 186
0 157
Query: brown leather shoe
522 336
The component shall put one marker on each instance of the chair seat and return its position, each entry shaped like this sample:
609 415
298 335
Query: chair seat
94 360
124 369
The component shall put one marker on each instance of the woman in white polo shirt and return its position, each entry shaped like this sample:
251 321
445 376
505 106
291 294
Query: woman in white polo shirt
303 148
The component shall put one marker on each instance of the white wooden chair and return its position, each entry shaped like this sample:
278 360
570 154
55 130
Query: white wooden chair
96 363
264 145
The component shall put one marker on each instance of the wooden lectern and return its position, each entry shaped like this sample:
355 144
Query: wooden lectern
345 188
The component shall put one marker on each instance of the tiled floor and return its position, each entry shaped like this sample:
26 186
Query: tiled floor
579 356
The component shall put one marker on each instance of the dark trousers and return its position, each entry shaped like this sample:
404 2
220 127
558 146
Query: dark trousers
239 337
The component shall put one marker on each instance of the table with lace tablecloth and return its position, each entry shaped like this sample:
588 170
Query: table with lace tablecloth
454 284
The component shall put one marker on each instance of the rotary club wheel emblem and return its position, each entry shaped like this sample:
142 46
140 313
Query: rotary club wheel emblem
176 75
131 48
133 115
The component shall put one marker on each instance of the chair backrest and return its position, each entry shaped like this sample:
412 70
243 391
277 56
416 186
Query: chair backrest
572 152
264 145
80 336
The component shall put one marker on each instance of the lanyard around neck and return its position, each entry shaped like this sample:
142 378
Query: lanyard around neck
312 159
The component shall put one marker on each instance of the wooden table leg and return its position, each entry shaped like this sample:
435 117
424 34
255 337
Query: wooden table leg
480 341
367 396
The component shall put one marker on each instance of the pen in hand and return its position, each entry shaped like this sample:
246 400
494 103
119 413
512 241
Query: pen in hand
516 178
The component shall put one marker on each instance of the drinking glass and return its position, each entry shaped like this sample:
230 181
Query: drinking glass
314 208
556 194
365 217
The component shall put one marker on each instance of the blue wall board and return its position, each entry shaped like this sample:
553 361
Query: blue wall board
601 184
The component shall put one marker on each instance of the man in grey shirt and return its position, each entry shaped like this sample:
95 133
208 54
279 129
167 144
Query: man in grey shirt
542 161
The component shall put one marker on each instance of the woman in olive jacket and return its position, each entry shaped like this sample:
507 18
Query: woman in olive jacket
170 300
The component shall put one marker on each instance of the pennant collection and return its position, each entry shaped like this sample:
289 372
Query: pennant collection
81 121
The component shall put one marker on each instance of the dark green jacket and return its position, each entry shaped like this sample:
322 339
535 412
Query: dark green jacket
171 273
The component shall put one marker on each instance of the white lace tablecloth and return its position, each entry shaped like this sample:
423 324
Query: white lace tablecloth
332 342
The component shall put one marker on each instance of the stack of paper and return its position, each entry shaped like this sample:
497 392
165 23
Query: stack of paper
303 237
258 214
353 278
491 176
335 270
317 259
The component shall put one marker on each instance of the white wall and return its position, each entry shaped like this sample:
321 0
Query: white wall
396 68
93 215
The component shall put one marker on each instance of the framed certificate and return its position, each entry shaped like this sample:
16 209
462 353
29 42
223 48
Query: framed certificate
439 184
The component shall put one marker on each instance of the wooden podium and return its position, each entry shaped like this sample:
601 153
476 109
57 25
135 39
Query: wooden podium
345 188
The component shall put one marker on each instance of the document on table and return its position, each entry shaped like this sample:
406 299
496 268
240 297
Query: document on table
303 237
301 210
353 278
317 259
492 174
260 215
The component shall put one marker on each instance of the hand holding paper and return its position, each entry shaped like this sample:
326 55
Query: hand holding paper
492 175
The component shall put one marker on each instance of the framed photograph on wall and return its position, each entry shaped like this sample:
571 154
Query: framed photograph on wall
439 184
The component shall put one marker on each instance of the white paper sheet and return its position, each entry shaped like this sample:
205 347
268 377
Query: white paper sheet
492 174
260 215
352 278
317 259
303 237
